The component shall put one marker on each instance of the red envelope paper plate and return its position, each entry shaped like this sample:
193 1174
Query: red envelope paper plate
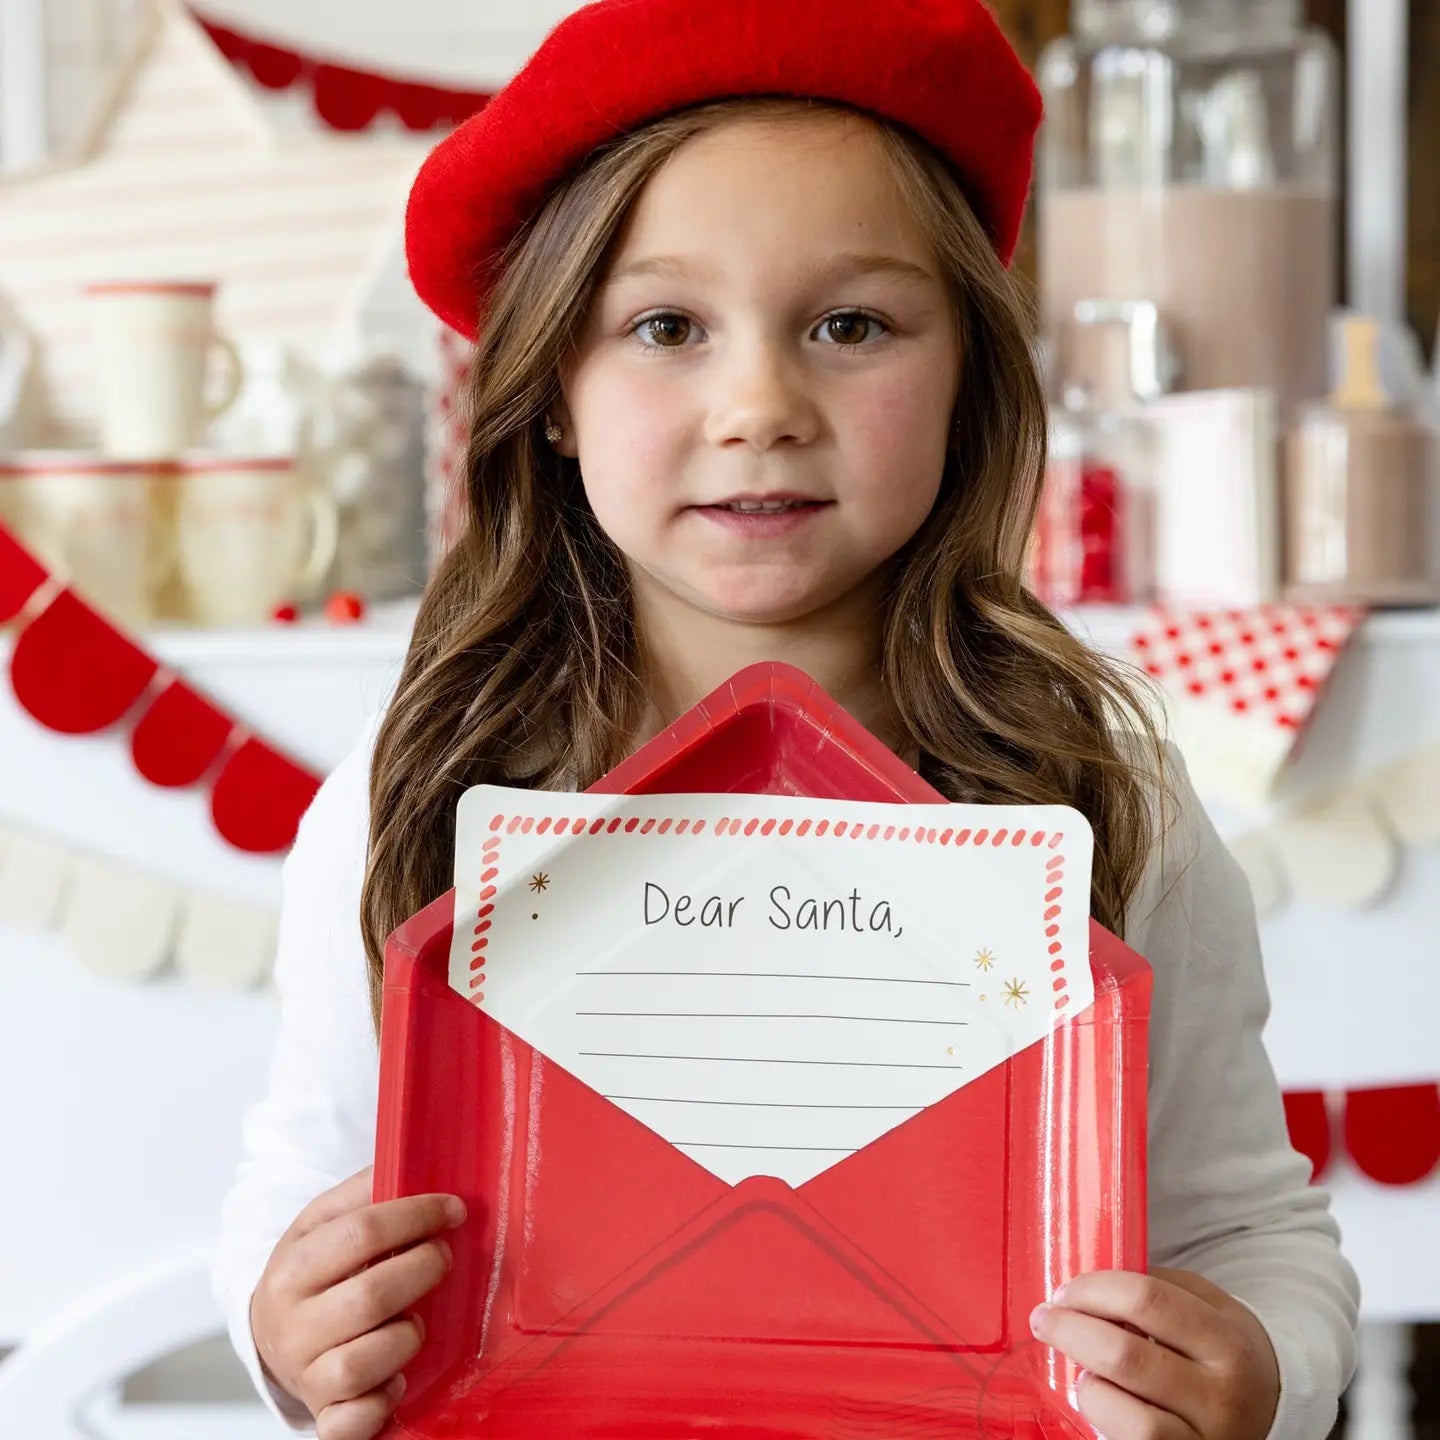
606 1285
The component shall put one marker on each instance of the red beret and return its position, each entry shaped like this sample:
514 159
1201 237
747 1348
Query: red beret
940 67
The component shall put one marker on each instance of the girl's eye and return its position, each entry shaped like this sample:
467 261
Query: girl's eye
663 332
670 330
847 327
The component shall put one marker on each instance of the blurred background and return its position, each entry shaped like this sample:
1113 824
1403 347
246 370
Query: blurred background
228 459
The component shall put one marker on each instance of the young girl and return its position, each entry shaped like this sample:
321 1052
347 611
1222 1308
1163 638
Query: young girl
753 382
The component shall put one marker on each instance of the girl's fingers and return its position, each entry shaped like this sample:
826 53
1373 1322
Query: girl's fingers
368 1300
353 1370
344 1245
1118 1415
362 1418
349 1195
1149 1371
1155 1305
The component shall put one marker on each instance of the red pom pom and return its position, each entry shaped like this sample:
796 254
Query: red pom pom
344 607
285 614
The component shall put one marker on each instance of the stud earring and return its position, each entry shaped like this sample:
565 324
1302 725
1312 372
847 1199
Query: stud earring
553 433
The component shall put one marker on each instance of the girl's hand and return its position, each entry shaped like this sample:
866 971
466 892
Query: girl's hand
328 1314
1201 1364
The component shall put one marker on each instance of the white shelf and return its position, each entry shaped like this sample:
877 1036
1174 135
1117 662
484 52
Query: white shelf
385 632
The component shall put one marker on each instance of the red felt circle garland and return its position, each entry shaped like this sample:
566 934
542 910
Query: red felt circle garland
74 672
21 575
259 797
1308 1121
179 737
344 97
1393 1134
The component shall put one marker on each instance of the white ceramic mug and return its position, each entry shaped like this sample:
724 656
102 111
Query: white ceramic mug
95 522
250 534
154 343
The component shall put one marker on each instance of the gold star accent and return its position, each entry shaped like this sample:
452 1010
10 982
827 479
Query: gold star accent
1015 993
540 882
985 960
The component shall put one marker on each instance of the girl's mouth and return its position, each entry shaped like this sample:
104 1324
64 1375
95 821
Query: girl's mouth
764 519
749 507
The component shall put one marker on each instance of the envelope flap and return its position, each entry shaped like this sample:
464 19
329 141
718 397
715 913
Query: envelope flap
774 1269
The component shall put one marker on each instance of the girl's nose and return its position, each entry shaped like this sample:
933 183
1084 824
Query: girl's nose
761 400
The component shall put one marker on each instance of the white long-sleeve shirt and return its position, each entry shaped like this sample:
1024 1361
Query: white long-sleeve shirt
1228 1196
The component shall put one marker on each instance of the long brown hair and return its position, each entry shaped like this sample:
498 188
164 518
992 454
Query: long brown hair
523 668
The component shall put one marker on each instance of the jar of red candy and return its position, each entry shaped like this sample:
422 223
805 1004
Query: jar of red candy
1094 540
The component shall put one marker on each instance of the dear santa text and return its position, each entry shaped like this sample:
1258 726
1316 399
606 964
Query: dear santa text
787 912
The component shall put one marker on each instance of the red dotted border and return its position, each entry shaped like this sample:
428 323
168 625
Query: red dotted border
489 870
836 829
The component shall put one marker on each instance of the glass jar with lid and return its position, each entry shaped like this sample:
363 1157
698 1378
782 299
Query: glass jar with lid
1189 158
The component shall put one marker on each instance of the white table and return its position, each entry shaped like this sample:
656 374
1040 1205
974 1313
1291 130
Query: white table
127 1132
